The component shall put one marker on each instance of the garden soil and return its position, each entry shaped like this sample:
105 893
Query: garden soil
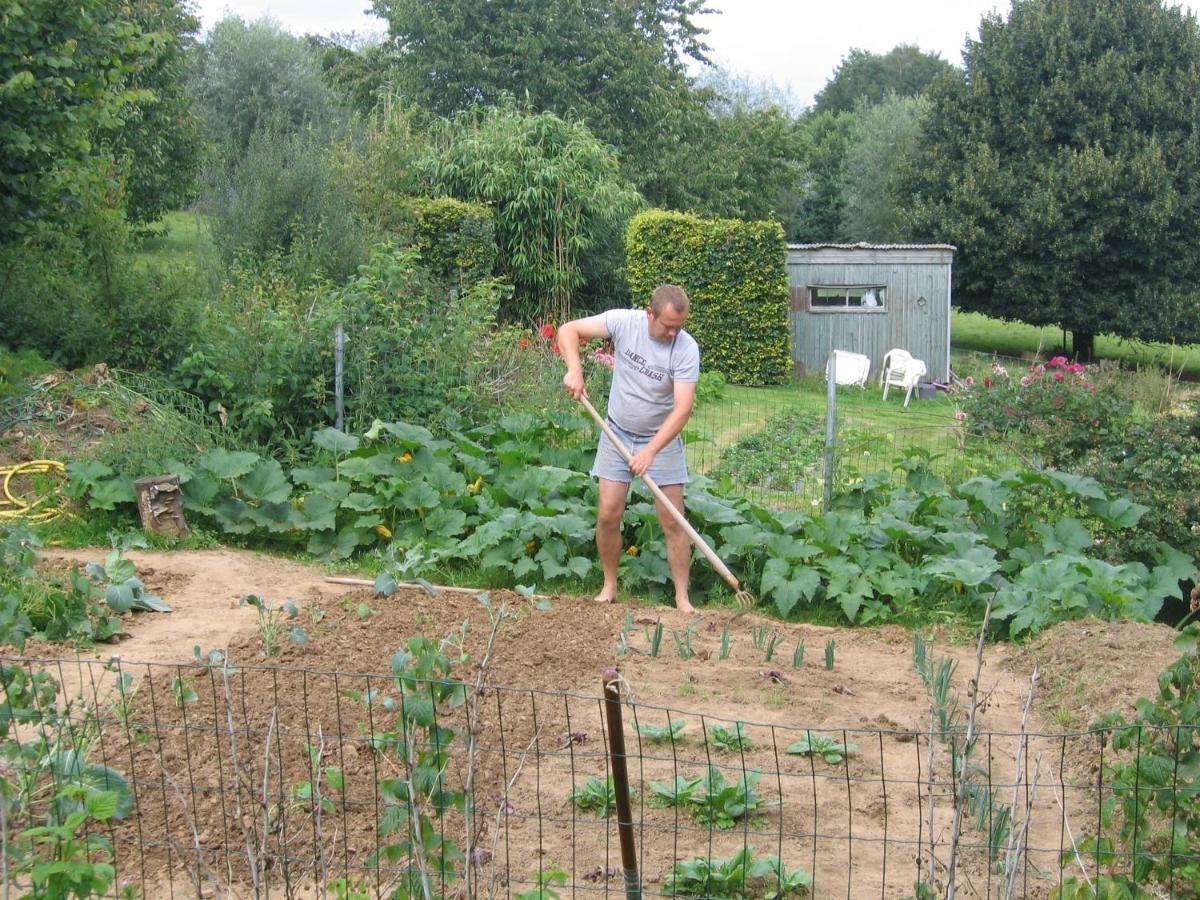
221 803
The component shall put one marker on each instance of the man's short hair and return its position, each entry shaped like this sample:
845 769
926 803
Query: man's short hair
671 295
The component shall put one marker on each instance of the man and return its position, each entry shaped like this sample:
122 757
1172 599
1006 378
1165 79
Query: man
654 386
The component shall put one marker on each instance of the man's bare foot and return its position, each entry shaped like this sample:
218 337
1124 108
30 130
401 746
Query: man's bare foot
684 606
605 597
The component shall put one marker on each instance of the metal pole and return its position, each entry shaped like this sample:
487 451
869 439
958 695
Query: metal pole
830 424
339 355
616 744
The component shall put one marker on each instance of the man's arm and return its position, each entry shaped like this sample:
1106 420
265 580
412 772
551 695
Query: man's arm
685 399
570 336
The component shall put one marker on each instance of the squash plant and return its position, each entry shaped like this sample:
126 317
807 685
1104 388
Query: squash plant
512 502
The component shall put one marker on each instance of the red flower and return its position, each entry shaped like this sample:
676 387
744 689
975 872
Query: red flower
1058 401
547 331
1059 376
1057 361
987 382
524 345
554 348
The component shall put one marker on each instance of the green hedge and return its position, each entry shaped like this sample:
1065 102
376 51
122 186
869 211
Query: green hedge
734 272
456 240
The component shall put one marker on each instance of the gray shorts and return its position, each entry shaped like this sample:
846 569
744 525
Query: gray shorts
669 466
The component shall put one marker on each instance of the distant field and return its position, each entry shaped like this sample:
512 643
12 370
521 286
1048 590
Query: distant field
184 234
974 331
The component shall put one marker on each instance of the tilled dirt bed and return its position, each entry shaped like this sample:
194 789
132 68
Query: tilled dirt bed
235 765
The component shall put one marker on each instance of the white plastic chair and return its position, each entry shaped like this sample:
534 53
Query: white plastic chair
902 370
850 368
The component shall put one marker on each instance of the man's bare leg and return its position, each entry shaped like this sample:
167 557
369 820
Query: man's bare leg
608 534
679 546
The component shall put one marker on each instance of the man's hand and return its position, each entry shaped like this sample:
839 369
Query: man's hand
573 382
641 461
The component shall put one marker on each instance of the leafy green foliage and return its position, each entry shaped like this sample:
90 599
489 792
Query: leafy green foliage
82 607
279 197
830 750
272 620
159 142
660 734
723 802
881 137
556 190
618 67
734 275
864 78
1148 817
731 740
1064 165
65 77
682 791
255 75
57 803
413 829
1058 409
456 241
778 457
511 501
739 876
820 211
596 796
545 879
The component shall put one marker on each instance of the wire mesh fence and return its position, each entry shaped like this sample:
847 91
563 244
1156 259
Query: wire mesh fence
253 780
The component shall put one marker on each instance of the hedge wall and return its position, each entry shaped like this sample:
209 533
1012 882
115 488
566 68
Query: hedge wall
456 240
735 275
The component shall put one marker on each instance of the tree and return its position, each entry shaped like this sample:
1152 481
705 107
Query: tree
359 69
881 136
905 70
255 75
556 190
65 77
1065 165
745 162
818 216
159 142
617 65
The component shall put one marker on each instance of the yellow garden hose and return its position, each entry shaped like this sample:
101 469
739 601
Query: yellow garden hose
13 507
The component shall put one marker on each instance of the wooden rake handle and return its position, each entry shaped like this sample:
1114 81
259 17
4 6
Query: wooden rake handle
692 533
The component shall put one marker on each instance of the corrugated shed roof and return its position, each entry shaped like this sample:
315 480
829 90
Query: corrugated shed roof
862 245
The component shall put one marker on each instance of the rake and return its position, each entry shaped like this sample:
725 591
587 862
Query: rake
744 598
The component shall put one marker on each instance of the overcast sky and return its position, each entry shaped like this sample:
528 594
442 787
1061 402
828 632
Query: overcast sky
794 44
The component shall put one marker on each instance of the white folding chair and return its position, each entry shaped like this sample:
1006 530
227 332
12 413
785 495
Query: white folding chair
902 370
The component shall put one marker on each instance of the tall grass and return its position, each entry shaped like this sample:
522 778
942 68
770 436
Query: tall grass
974 331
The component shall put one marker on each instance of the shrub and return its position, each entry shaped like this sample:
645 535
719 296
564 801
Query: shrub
78 296
734 275
279 198
1056 408
456 241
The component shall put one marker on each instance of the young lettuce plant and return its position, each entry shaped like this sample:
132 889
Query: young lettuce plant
732 740
655 734
827 748
597 796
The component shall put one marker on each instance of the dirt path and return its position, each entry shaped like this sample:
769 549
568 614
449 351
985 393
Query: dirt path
204 589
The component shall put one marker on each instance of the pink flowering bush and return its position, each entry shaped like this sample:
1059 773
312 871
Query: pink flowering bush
1057 408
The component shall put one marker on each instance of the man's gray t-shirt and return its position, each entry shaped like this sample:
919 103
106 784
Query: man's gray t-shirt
645 371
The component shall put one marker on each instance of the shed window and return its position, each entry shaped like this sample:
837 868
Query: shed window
847 298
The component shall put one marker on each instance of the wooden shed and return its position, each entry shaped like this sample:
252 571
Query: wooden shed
869 298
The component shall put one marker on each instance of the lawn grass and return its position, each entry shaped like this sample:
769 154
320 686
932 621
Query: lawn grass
977 332
177 237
